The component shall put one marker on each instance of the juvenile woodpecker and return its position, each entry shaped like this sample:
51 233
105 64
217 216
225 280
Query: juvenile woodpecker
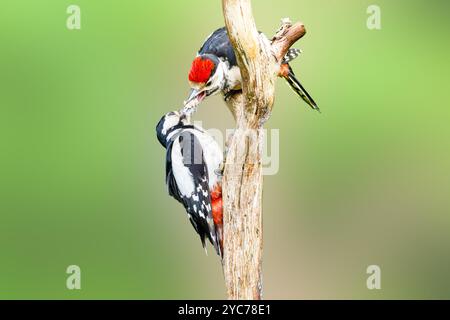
193 174
215 69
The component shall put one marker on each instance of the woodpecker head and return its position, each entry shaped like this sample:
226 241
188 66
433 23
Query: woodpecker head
169 124
206 78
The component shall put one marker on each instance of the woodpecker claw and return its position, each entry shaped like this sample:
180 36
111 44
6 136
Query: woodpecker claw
219 171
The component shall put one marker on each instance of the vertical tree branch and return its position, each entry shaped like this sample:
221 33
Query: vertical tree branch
258 60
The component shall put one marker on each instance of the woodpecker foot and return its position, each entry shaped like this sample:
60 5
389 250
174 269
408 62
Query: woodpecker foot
219 171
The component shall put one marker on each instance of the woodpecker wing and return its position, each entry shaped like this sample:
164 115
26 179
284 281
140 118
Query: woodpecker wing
187 181
218 44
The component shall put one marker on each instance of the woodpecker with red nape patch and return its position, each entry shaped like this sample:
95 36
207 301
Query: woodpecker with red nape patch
193 174
215 69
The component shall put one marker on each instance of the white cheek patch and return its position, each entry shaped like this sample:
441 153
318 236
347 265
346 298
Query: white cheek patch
217 79
169 122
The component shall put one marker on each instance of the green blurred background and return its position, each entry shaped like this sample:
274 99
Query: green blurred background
82 174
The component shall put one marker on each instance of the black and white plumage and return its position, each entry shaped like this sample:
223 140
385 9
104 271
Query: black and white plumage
219 44
215 70
292 54
193 161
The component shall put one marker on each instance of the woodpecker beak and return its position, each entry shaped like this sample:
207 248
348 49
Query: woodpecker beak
196 95
194 99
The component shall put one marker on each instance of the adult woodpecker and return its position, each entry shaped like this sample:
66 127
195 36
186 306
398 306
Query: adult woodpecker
215 70
193 175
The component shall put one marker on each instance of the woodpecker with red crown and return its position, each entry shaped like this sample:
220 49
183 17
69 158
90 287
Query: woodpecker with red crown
215 69
193 174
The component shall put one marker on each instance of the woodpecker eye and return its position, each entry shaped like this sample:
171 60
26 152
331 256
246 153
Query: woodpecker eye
209 83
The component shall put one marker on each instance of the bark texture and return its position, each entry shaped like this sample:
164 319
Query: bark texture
258 60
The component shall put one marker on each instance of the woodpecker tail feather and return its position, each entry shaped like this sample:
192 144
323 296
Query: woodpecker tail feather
215 241
202 239
291 55
295 84
219 232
